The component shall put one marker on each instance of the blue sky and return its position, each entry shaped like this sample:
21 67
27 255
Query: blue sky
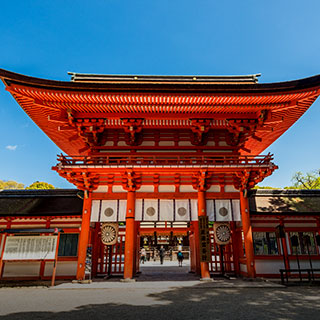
278 38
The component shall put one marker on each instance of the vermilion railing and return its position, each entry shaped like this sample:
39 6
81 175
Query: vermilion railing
143 159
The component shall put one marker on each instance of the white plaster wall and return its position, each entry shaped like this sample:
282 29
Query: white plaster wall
268 266
230 188
305 264
214 188
64 268
187 188
166 143
243 267
146 189
118 189
21 269
166 188
101 189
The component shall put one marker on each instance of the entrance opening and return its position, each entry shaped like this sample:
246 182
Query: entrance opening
157 253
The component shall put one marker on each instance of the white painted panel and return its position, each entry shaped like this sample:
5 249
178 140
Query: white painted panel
230 188
118 189
148 204
166 188
21 269
95 211
210 209
194 210
243 267
148 143
111 205
187 188
64 268
214 188
166 143
182 204
305 264
236 210
146 189
138 210
166 210
122 210
103 189
223 204
268 266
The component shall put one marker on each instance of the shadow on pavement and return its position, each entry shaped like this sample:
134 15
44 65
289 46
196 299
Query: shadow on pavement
193 303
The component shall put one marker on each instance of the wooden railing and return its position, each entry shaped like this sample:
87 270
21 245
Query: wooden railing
159 159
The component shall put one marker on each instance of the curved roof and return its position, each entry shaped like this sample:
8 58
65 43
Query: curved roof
161 97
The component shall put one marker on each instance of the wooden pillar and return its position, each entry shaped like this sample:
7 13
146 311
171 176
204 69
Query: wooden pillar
195 226
204 266
285 249
95 249
236 248
129 249
84 237
247 233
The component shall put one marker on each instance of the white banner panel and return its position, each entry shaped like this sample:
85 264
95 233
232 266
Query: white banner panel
138 213
223 210
150 210
30 248
236 210
194 210
166 210
211 210
109 211
122 210
95 210
182 210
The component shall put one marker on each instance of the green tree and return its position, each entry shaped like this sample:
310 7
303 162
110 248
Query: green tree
10 184
311 180
262 187
40 185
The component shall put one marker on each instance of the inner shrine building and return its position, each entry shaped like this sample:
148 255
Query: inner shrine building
164 155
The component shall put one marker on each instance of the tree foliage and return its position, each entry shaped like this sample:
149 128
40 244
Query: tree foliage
10 184
263 187
311 180
40 185
14 185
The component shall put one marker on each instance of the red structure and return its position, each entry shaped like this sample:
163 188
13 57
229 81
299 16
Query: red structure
166 150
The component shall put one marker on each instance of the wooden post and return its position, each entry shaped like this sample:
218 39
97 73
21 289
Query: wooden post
129 249
2 252
247 232
55 261
236 247
84 237
204 266
195 226
285 249
95 249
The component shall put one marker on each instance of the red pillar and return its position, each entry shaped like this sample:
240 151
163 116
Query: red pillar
247 233
129 249
285 249
84 237
195 226
204 266
236 247
95 249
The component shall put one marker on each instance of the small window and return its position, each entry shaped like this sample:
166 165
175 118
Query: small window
304 243
265 243
68 245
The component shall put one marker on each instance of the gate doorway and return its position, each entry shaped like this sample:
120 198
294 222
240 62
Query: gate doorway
108 261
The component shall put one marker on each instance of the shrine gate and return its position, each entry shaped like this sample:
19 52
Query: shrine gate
163 149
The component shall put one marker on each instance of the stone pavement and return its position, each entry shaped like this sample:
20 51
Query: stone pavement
185 299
